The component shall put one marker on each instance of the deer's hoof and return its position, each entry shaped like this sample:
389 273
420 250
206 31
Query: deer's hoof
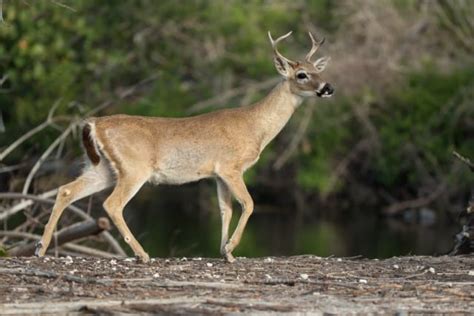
229 257
145 258
39 249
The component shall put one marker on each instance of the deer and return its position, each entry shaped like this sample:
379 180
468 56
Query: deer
126 151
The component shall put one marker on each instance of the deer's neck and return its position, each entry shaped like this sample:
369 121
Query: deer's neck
274 111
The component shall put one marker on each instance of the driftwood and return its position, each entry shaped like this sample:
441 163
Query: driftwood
464 240
74 232
42 199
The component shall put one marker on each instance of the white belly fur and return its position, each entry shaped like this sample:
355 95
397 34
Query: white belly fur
176 176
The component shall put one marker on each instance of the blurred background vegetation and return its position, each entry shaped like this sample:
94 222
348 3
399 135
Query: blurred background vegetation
369 171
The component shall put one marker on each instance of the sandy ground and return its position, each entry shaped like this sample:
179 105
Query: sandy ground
301 284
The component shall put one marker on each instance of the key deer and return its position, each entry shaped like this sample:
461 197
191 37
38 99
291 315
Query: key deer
127 151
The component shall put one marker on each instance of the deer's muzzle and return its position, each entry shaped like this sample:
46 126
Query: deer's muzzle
326 91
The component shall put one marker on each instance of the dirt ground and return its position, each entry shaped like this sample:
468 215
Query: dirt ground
301 284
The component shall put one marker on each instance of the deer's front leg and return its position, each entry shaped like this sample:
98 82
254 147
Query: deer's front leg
225 205
237 186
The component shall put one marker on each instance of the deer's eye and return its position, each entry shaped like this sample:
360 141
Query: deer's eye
301 75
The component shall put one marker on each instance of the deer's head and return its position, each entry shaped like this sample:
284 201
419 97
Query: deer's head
304 76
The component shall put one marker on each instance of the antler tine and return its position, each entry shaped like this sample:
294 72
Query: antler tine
314 48
275 42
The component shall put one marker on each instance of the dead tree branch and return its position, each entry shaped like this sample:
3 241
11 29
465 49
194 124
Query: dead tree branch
49 120
415 203
465 160
29 200
296 140
107 236
60 4
223 97
46 154
71 233
69 246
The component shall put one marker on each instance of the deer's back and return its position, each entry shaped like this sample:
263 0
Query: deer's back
178 150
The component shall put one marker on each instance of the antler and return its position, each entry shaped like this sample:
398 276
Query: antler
314 48
275 42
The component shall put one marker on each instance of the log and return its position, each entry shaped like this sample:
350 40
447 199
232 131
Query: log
464 240
73 232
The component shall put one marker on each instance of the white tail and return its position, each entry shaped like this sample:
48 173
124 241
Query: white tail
127 151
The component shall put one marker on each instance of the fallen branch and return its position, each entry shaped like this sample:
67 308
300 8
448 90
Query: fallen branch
29 200
415 203
46 274
69 246
84 250
87 304
13 195
74 232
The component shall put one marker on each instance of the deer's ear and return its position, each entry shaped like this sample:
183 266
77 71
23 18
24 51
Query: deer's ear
283 66
321 63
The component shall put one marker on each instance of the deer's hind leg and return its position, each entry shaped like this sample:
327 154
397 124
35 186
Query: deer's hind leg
127 186
93 179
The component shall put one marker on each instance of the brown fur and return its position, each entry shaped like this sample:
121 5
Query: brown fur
220 145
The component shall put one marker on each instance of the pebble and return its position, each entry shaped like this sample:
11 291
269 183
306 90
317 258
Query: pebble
431 270
471 272
268 260
209 264
395 266
304 276
68 260
363 281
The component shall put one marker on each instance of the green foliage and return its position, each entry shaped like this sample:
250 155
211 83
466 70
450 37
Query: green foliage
197 50
423 117
327 139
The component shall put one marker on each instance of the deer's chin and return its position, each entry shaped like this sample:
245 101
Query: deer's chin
324 94
306 94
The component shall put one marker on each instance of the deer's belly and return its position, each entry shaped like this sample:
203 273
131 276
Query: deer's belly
182 171
177 176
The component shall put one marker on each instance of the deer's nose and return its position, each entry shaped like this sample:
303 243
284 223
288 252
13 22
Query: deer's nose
326 91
